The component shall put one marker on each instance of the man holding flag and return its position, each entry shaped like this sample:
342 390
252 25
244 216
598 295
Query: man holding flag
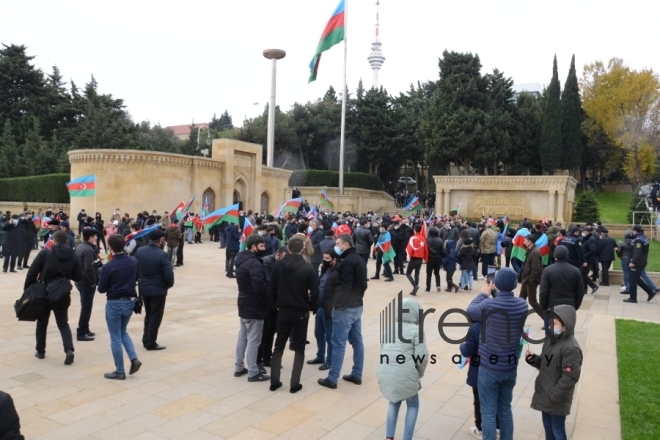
384 253
531 272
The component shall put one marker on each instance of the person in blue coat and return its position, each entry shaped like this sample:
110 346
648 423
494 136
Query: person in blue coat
449 265
232 245
156 277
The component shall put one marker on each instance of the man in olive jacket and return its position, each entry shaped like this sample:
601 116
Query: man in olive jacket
156 276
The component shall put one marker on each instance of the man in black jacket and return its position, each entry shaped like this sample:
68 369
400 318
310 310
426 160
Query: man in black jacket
363 239
28 234
606 248
82 216
156 276
436 255
316 237
347 313
10 425
252 308
294 290
589 252
51 264
86 254
561 283
270 323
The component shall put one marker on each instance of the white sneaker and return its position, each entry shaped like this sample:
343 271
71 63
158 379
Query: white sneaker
622 289
475 432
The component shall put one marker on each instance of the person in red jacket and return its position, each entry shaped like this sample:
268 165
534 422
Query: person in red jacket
418 252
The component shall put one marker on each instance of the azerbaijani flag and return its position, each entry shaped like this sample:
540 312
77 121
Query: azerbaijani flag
84 186
227 214
456 209
205 209
332 34
290 206
544 248
37 222
519 250
312 213
412 205
385 244
185 209
326 200
245 233
175 213
139 234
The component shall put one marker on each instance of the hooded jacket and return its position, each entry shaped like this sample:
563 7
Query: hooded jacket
488 241
401 381
86 254
561 283
173 235
293 284
49 268
449 262
252 286
559 367
352 281
466 257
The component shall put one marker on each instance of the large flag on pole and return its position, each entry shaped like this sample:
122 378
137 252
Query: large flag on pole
205 209
326 200
139 234
413 205
227 214
456 210
84 186
290 206
185 209
245 233
332 34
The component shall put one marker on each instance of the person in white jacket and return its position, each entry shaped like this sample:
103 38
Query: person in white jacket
401 381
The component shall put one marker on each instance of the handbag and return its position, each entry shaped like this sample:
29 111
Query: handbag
60 288
33 303
137 307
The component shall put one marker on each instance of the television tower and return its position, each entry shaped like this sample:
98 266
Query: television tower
376 58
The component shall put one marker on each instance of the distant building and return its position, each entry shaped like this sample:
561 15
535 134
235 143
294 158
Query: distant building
183 131
535 89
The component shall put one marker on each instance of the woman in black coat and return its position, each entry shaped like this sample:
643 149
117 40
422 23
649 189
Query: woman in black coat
99 225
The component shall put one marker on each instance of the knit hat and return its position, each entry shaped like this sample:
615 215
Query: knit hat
65 224
89 232
156 234
561 253
506 280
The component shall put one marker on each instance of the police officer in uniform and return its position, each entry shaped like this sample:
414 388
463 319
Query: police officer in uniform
589 251
638 262
572 243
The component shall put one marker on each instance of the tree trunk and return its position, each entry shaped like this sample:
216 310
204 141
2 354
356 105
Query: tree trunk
636 168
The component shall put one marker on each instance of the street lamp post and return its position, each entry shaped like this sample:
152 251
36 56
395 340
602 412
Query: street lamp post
272 54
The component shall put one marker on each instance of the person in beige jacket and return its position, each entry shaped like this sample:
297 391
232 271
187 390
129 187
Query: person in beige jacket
302 235
487 246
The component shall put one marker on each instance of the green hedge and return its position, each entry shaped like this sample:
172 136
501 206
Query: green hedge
50 188
331 178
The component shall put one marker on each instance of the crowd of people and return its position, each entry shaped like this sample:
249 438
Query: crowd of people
301 264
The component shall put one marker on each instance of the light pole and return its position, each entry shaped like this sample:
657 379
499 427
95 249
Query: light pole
208 136
272 54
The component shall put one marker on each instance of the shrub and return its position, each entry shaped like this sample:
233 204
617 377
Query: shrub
586 208
331 179
50 188
636 204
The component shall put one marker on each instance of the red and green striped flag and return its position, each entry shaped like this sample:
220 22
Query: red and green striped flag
84 186
227 214
519 250
385 245
326 200
245 233
185 209
290 206
332 34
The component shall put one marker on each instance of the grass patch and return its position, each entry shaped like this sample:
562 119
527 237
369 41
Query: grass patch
613 206
639 389
653 264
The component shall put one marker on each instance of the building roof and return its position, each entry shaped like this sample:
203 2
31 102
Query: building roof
184 130
528 87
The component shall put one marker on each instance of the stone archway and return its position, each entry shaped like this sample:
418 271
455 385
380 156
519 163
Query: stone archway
209 198
240 193
265 200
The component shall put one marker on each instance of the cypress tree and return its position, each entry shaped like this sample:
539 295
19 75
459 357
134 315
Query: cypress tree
586 208
551 151
571 121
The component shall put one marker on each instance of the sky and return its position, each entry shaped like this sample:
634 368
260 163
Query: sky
173 62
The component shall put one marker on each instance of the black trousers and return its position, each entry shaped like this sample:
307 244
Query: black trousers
9 263
294 323
585 276
86 303
179 253
154 308
198 237
414 265
433 268
450 280
486 260
101 239
265 354
61 311
229 261
606 272
24 254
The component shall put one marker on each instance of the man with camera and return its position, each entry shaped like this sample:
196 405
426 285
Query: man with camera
86 255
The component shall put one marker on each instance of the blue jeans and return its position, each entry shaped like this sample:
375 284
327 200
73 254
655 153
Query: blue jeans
346 326
411 417
466 278
626 273
495 395
221 237
323 334
117 314
555 427
517 264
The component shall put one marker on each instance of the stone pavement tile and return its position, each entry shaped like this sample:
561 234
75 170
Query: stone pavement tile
321 400
227 406
252 434
45 395
184 425
44 410
84 411
182 407
200 435
439 391
90 394
374 414
28 378
595 433
182 391
330 419
148 436
139 392
306 430
135 408
284 420
35 428
235 422
350 430
360 398
131 427
182 366
78 429
458 406
529 425
438 427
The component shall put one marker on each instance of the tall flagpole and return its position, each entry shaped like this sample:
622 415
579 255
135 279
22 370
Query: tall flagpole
343 105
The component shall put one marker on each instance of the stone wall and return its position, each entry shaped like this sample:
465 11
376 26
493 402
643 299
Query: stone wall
18 207
533 197
354 199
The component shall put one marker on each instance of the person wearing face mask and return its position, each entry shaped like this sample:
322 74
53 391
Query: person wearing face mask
589 247
12 247
156 277
323 324
252 308
263 233
531 272
559 366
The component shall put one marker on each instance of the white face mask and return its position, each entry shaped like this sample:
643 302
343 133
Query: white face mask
15 221
262 232
584 234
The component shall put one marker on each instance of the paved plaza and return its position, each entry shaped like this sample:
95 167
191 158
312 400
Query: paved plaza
188 391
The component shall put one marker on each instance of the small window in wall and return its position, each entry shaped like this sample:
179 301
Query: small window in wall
264 203
209 199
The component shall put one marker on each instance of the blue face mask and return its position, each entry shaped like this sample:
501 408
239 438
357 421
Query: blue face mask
309 229
559 331
338 250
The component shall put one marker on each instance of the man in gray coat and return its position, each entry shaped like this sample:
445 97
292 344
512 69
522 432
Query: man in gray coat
363 239
86 254
156 276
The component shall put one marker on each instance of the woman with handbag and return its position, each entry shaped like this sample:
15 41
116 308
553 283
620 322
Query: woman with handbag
55 267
